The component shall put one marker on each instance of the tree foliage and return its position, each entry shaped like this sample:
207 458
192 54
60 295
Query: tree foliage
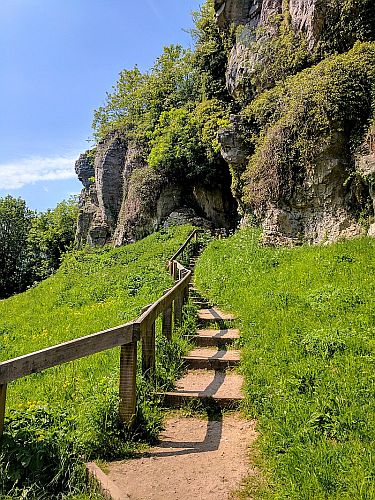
31 244
138 99
15 263
167 109
51 234
211 53
346 22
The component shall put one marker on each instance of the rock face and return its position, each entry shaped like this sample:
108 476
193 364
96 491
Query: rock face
319 206
306 16
84 168
317 211
365 166
128 200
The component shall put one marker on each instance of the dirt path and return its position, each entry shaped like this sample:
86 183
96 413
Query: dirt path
196 459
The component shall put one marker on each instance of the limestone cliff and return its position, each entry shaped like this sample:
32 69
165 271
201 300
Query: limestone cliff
298 157
326 193
123 199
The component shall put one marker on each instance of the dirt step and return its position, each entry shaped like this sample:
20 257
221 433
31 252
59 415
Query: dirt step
212 359
195 459
214 314
218 338
211 387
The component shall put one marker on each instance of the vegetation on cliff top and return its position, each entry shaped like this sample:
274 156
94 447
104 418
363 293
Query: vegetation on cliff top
291 125
308 329
173 112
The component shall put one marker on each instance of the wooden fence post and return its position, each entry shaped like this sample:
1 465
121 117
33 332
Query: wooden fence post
3 397
178 309
167 322
148 348
128 390
185 292
175 270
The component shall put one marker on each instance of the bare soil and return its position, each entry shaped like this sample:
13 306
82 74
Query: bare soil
196 459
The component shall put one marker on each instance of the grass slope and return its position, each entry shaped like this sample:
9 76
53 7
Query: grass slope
309 337
58 418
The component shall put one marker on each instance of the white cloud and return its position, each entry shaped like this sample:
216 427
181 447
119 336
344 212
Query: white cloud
19 173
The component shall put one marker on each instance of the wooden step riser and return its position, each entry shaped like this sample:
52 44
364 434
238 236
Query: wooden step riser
179 401
210 364
211 341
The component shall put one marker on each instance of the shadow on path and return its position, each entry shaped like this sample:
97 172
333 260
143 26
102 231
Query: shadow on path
211 442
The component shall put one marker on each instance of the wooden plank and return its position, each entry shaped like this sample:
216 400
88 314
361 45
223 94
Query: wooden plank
160 305
148 348
182 247
167 323
68 351
3 396
128 391
107 488
177 308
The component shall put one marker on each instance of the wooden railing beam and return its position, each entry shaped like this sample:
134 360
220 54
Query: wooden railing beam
125 336
68 351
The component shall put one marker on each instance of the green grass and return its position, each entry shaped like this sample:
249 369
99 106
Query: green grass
308 326
63 416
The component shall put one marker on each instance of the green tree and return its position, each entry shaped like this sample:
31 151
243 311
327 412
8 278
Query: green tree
184 144
51 234
15 270
138 99
175 149
211 53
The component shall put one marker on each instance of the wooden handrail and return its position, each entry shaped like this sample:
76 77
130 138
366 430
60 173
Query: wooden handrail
126 336
182 247
155 309
68 351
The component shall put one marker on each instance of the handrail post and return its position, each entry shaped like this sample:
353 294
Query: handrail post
3 396
186 292
178 309
148 348
128 390
167 322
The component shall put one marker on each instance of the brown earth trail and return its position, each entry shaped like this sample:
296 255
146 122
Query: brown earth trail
197 458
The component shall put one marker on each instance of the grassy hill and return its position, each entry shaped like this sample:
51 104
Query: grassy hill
65 415
308 331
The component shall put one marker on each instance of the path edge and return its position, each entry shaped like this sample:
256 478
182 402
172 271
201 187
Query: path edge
107 488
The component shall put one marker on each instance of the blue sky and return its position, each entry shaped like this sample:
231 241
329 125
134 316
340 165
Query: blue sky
58 58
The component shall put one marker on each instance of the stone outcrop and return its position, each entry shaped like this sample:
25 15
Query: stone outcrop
124 200
319 205
84 168
318 210
255 17
365 166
